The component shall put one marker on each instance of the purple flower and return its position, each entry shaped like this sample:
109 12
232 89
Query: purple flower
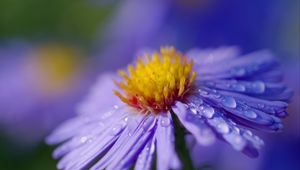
213 94
39 86
131 28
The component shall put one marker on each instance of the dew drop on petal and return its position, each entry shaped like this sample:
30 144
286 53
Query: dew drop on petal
194 111
202 92
83 139
248 132
106 115
222 127
235 140
165 122
238 71
116 130
250 114
229 102
208 112
258 87
198 102
260 105
239 87
207 137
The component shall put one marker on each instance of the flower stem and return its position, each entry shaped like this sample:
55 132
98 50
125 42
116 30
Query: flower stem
180 144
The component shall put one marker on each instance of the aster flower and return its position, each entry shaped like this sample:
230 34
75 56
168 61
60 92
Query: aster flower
39 86
211 94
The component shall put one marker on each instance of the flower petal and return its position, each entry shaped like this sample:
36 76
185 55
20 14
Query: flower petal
166 155
225 129
95 102
255 88
91 148
194 124
241 67
240 111
213 56
144 159
66 130
129 145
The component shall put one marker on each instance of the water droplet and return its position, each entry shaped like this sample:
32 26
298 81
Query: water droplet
165 122
239 87
116 106
202 92
259 86
238 71
194 111
250 114
208 112
222 127
260 105
207 137
229 102
236 129
197 101
83 139
106 115
248 132
235 140
116 130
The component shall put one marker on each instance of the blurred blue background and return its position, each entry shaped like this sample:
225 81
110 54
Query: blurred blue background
52 51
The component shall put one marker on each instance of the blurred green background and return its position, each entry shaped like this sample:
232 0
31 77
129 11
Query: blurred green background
64 21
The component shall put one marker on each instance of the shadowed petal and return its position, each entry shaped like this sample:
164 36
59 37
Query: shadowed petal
238 108
144 160
195 124
240 139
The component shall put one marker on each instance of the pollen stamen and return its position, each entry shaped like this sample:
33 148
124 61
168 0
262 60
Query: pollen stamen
156 82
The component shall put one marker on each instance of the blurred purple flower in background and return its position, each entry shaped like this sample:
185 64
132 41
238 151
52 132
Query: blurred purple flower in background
136 24
231 94
39 86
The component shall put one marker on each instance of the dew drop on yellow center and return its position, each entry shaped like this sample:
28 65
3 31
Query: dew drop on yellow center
156 81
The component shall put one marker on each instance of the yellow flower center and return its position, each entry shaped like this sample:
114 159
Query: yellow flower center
156 82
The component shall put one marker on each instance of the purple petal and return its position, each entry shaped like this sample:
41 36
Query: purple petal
166 155
239 138
194 124
144 160
213 56
101 139
238 108
241 67
256 88
66 130
129 145
95 102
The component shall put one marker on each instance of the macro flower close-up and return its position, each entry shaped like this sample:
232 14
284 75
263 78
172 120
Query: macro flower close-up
149 85
211 94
